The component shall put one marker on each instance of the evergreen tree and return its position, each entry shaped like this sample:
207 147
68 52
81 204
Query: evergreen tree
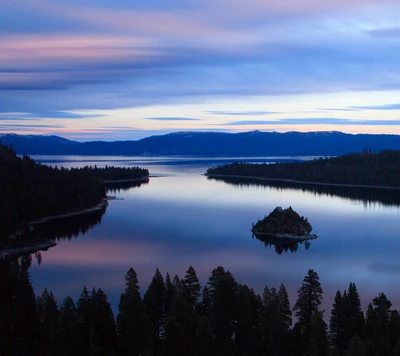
319 333
49 324
132 321
204 337
312 349
284 307
382 314
192 288
6 301
308 300
396 349
356 347
69 327
170 292
103 321
223 309
175 342
25 318
248 310
205 302
336 323
353 315
394 327
154 299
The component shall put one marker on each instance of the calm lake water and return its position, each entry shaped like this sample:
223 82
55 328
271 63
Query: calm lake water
181 218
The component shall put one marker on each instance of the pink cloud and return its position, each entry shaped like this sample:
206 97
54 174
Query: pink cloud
16 49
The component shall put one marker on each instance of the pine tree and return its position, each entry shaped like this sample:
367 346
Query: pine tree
155 299
192 288
394 327
204 337
6 301
170 292
353 315
132 321
103 321
396 349
312 349
69 327
382 314
319 333
49 317
174 342
223 309
205 302
356 347
308 300
336 323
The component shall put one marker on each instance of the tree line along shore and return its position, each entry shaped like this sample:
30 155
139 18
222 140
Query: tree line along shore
30 191
369 169
177 316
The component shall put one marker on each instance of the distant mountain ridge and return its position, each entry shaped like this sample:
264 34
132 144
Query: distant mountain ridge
253 143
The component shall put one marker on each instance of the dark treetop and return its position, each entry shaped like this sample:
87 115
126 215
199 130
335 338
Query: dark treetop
30 191
283 221
180 318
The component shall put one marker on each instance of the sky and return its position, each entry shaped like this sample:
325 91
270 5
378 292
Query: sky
122 69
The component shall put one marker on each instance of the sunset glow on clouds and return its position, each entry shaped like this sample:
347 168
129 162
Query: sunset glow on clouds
124 70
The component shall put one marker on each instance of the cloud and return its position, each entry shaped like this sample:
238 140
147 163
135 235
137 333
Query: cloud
114 55
339 109
378 107
172 119
34 116
240 113
27 127
314 121
385 33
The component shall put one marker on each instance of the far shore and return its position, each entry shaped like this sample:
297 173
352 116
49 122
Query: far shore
302 182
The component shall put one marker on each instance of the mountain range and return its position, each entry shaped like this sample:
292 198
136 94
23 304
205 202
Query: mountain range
246 144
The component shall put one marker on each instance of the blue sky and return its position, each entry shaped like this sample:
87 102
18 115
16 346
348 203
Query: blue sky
123 69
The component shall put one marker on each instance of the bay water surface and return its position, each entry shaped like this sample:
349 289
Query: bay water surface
180 218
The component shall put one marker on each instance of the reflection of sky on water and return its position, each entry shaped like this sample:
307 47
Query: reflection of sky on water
183 220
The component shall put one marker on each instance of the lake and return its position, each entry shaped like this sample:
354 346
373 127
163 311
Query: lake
182 218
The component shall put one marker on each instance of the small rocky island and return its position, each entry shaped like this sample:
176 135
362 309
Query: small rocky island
283 224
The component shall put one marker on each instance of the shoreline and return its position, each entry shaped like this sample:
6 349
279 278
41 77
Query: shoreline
283 237
41 245
302 182
100 206
44 244
142 179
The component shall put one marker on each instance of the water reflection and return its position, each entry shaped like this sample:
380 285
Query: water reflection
68 227
117 187
282 245
368 196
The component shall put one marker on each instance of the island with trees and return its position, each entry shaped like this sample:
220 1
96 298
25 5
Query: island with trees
32 193
366 169
283 224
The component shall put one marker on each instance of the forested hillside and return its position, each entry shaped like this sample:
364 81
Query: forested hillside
29 190
366 168
177 317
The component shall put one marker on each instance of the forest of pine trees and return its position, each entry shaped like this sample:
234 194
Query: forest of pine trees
29 190
366 168
177 316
